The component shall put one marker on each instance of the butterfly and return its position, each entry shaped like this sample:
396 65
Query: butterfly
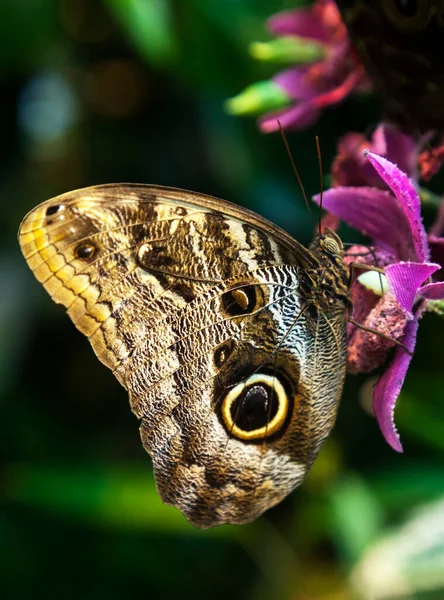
401 43
229 335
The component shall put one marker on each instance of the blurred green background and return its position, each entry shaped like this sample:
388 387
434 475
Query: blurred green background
133 90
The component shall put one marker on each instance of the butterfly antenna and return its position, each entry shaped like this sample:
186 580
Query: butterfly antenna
321 183
295 171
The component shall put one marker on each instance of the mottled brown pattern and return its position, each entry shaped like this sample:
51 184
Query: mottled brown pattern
401 43
194 302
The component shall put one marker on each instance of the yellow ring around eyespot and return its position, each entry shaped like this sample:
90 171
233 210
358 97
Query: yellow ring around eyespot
277 421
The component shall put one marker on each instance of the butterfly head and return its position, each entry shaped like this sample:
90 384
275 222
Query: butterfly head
328 249
330 280
331 243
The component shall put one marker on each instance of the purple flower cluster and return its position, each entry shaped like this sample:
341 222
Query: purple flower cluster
323 77
385 206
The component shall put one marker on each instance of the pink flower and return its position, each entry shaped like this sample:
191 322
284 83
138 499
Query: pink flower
327 70
392 218
352 168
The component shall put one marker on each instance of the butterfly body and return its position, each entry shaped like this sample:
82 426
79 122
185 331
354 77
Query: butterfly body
401 43
227 333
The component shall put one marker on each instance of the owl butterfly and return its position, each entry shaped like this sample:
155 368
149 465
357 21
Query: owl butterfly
401 43
228 334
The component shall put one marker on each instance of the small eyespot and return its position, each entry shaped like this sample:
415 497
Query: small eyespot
52 210
223 353
256 409
242 300
85 251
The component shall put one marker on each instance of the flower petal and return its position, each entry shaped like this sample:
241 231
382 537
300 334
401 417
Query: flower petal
408 200
341 91
387 389
352 168
397 147
405 279
298 117
432 291
303 22
367 350
296 83
374 212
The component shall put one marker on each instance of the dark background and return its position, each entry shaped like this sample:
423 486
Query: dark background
134 91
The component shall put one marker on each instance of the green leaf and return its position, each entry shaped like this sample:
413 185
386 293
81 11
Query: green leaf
148 24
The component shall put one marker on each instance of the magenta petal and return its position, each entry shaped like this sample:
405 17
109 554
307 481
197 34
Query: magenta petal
408 200
398 147
432 291
300 116
372 211
405 279
295 83
350 167
387 389
303 22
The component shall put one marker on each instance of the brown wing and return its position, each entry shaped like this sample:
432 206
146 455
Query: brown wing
125 257
196 307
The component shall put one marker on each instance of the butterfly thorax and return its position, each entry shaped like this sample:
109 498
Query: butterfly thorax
329 281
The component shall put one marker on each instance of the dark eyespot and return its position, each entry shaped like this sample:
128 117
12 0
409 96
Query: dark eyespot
408 8
52 210
257 408
85 251
241 301
223 353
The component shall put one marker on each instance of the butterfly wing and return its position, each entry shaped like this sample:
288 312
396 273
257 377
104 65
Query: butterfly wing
201 311
402 44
